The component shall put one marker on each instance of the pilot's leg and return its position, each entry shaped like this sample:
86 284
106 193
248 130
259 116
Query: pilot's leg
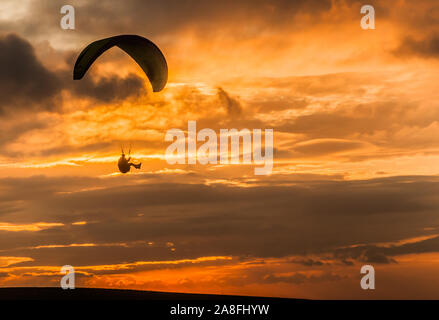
137 166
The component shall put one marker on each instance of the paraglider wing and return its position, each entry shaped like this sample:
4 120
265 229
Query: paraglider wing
144 52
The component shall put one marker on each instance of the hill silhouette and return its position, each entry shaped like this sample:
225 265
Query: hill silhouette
56 293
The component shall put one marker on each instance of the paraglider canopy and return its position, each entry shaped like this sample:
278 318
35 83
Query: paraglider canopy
144 52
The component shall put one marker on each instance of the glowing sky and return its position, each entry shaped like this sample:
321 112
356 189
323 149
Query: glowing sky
355 115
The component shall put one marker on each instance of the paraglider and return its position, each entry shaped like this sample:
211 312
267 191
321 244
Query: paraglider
125 165
147 55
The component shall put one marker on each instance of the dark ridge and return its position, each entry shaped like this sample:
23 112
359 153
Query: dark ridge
55 293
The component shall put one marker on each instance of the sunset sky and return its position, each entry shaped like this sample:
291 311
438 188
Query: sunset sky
355 115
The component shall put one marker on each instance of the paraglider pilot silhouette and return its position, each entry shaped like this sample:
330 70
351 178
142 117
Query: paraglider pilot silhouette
125 165
147 55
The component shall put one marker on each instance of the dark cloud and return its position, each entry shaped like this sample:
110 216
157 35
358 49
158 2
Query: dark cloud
24 82
316 217
308 262
27 85
364 254
426 48
232 106
156 18
386 254
109 89
300 277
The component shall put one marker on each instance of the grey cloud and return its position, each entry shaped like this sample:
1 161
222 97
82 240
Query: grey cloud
316 217
299 277
162 17
233 107
427 47
24 82
109 89
364 254
386 254
27 85
308 262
